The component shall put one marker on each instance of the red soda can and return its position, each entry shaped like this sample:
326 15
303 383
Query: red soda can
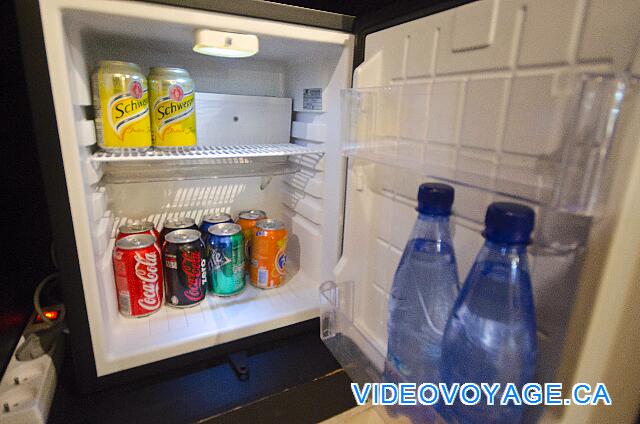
137 227
137 267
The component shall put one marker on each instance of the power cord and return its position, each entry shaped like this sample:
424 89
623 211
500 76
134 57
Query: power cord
36 300
40 286
41 341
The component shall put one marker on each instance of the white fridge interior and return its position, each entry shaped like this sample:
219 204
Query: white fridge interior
259 147
527 100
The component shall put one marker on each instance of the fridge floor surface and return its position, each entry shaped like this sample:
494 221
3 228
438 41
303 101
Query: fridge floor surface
217 320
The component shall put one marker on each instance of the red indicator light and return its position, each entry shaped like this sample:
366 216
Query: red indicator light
52 315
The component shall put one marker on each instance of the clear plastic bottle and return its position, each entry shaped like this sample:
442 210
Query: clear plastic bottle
491 335
424 289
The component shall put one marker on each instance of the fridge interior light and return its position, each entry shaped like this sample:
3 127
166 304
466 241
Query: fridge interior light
225 44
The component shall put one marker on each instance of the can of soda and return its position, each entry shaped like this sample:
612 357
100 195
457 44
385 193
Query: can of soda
185 268
268 254
172 224
213 219
121 105
137 268
173 113
225 267
247 220
260 212
138 227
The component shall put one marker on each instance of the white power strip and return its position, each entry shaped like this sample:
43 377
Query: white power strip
27 387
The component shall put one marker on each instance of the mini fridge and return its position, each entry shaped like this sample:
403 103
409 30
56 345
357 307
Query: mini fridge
331 127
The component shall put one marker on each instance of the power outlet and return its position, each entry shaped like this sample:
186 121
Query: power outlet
27 387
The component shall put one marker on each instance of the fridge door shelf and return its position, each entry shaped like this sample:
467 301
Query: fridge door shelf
546 140
127 166
356 350
378 222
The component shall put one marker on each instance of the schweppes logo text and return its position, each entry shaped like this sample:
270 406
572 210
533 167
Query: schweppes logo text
127 108
171 109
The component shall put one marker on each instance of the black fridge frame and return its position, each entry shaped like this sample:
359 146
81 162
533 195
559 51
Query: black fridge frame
51 164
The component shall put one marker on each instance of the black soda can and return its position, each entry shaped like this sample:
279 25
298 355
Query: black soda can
185 268
172 224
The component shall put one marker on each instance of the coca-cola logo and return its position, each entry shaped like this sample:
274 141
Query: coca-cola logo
147 271
192 267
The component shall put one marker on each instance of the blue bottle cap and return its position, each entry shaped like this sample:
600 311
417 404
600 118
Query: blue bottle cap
435 199
509 223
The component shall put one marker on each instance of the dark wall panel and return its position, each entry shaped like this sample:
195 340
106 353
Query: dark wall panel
25 221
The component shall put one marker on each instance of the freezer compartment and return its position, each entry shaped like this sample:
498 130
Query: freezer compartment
541 138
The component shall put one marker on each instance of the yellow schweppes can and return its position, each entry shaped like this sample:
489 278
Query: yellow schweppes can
121 104
173 109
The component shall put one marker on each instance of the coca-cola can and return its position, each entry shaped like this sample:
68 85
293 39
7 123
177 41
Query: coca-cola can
185 268
137 227
180 223
137 267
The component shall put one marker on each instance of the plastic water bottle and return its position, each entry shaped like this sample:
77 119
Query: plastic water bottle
424 289
491 335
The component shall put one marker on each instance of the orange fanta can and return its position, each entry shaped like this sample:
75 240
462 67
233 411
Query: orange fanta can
247 221
268 254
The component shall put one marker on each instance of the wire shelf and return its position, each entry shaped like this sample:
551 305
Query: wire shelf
206 152
139 172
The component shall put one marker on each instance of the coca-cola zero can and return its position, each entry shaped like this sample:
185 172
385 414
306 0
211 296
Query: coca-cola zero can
180 223
137 267
185 268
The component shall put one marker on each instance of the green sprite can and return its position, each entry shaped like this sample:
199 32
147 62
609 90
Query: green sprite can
225 264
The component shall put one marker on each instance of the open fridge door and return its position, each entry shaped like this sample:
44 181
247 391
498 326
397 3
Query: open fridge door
497 100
